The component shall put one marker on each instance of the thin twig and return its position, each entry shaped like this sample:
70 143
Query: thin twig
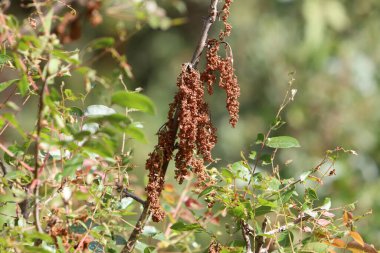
129 194
212 15
37 163
3 169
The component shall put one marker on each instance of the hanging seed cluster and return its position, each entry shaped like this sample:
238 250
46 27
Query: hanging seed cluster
189 114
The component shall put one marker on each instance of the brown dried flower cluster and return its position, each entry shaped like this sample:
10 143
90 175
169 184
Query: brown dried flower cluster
189 114
161 154
227 81
196 134
196 138
227 26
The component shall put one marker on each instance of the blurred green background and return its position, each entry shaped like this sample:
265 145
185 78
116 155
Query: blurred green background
333 46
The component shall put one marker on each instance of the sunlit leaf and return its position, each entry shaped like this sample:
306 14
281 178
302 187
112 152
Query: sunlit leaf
98 110
326 204
305 175
282 142
6 84
133 100
134 131
316 247
180 226
102 43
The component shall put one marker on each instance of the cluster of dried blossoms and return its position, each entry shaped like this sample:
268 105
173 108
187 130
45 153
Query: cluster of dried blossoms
189 116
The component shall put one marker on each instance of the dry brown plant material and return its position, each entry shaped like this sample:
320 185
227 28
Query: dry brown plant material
227 80
227 26
196 135
214 247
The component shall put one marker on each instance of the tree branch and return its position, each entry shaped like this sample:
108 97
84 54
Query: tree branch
129 194
246 235
130 245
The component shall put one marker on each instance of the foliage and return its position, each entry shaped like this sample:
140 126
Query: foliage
68 183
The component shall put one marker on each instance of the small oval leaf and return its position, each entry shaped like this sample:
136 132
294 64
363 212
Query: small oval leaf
282 142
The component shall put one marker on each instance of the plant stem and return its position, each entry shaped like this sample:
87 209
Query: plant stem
212 15
36 211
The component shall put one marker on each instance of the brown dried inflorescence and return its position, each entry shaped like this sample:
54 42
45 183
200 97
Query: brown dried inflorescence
189 114
161 154
227 80
196 138
196 134
227 26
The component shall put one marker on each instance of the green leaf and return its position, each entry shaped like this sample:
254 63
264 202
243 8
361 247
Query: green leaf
149 249
238 211
305 175
285 239
23 85
282 142
180 226
14 174
4 59
68 56
316 247
112 119
6 84
71 166
96 247
98 110
311 194
259 138
266 159
326 204
48 20
133 100
252 155
119 240
134 131
265 202
53 65
101 147
100 43
227 174
36 249
149 231
261 210
75 111
41 236
206 191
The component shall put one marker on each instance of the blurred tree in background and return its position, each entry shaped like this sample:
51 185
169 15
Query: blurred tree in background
332 46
